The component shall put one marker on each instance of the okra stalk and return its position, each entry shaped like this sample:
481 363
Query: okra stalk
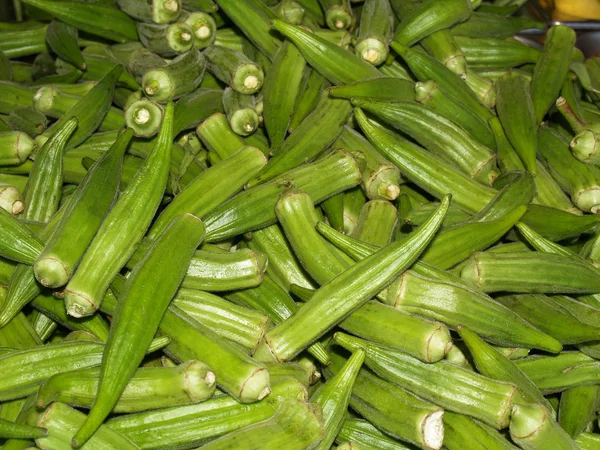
155 11
234 69
164 39
241 112
375 32
16 147
143 117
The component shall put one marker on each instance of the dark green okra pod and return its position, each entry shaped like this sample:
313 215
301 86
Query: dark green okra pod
375 32
164 39
234 68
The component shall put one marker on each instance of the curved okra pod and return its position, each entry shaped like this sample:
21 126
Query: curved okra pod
145 297
153 12
393 410
316 132
281 92
577 408
375 32
439 134
234 68
532 427
445 384
333 398
551 69
123 227
62 39
16 147
115 24
166 39
148 388
11 430
339 66
18 242
284 341
517 115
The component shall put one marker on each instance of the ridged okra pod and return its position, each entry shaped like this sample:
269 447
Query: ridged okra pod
196 107
82 217
148 388
311 86
393 410
446 139
18 243
461 430
382 89
23 42
445 384
429 94
144 299
490 54
375 32
361 433
197 424
154 11
16 147
240 110
234 69
551 69
28 120
333 398
339 66
203 27
532 427
577 408
181 76
62 39
12 430
14 95
122 228
285 342
489 25
427 171
314 134
255 207
376 222
281 91
166 39
535 272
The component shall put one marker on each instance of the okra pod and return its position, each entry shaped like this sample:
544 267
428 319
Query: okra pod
490 54
25 42
11 430
62 39
196 107
376 222
142 60
241 112
361 433
11 199
16 147
375 32
382 89
14 95
532 427
164 39
487 25
143 117
555 224
577 408
290 11
311 86
154 11
234 69
28 120
18 243
460 431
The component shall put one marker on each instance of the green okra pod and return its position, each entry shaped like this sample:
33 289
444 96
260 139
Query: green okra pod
460 430
290 11
218 137
255 207
339 66
284 342
142 60
136 320
18 332
338 13
143 117
532 426
279 371
115 24
281 91
14 95
429 94
199 5
555 224
28 120
353 201
442 383
166 39
181 76
240 110
311 86
196 107
155 11
199 423
16 147
360 432
62 39
551 69
515 189
334 395
375 32
43 190
234 68
43 325
24 42
393 410
587 441
430 16
487 25
150 388
577 408
126 222
376 222
11 430
203 27
18 243
382 89
535 272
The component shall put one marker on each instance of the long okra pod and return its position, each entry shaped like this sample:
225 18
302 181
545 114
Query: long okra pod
122 228
383 89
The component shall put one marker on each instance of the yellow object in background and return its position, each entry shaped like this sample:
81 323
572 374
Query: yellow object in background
573 10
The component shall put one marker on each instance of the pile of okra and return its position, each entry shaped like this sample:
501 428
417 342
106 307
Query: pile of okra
313 224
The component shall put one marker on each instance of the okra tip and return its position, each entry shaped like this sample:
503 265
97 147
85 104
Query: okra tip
50 272
256 387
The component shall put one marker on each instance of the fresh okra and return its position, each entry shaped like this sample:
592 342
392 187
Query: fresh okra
375 32
156 11
165 39
16 147
234 69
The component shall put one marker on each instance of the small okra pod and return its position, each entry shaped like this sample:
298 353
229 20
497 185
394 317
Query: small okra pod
445 384
285 342
199 423
491 363
311 86
429 17
382 89
517 115
148 388
62 39
556 224
281 92
234 68
461 431
174 247
446 139
361 433
154 11
196 107
181 76
488 25
15 148
18 242
333 398
375 32
240 110
339 66
429 94
290 11
551 69
316 132
393 410
381 178
376 222
218 137
532 427
143 117
11 430
11 199
577 408
126 223
166 39
534 272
